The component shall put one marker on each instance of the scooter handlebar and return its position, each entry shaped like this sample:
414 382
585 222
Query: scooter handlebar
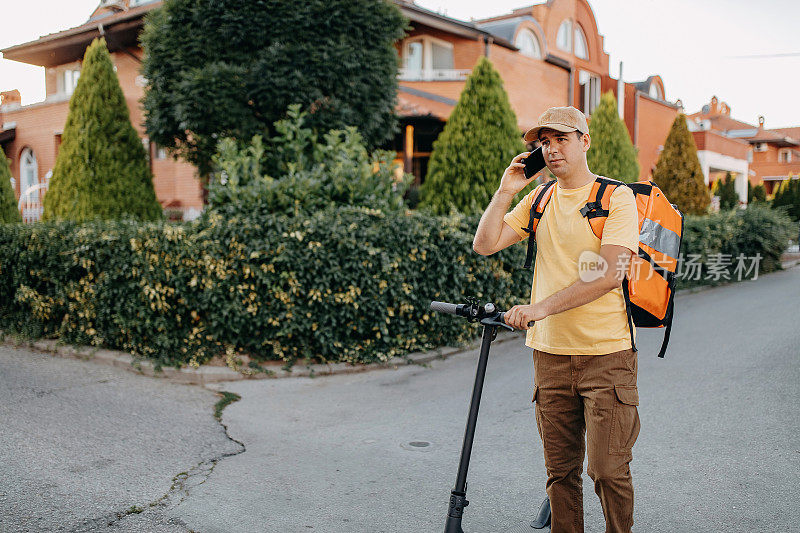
444 307
462 310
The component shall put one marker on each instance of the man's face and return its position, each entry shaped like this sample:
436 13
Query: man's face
563 152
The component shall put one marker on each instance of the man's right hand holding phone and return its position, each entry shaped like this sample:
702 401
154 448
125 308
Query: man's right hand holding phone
514 179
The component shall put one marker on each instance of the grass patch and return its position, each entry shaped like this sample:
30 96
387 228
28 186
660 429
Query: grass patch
226 399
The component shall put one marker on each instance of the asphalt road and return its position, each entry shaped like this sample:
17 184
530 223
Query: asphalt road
719 448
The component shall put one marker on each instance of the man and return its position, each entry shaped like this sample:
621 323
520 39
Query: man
584 365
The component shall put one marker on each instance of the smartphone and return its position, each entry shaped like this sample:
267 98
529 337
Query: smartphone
533 163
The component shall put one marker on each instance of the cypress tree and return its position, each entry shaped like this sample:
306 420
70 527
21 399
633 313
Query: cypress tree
788 195
101 170
479 141
8 203
756 194
726 190
612 153
678 172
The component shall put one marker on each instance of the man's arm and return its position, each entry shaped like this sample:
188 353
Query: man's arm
493 234
579 293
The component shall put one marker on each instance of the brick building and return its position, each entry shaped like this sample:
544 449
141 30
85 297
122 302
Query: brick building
547 54
763 155
31 134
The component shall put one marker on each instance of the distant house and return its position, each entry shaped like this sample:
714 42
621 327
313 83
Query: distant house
728 145
548 54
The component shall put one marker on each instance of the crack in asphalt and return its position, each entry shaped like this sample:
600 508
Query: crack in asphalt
179 490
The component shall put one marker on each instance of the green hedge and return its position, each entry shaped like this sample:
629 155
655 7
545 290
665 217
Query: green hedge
348 284
723 236
345 284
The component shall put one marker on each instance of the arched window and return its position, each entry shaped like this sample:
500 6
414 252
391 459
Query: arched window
564 36
655 91
581 49
29 170
528 44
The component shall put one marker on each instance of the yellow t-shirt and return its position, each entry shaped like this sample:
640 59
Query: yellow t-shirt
598 327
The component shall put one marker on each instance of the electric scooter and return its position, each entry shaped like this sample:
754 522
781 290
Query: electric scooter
491 319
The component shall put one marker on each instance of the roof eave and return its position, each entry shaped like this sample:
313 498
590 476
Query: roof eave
69 45
454 26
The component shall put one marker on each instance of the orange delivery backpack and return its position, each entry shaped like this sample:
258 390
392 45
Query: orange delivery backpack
649 284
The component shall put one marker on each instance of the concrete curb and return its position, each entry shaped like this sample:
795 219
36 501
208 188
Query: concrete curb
215 374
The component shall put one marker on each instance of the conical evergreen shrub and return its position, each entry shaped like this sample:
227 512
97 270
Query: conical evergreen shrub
678 172
726 190
101 170
756 193
788 195
612 153
8 202
479 141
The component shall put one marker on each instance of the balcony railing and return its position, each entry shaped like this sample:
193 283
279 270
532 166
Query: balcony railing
406 74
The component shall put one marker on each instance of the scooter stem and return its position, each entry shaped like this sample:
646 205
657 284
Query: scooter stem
458 496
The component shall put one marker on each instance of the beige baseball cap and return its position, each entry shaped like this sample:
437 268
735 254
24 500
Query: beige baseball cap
564 119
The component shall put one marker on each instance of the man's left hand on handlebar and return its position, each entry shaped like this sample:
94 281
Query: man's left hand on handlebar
519 316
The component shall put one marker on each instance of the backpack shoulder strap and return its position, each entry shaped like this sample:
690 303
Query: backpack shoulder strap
545 191
627 297
671 310
596 209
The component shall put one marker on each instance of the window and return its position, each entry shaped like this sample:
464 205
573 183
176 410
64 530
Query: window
29 170
590 91
655 91
785 156
427 58
760 147
69 80
528 44
581 48
564 36
441 56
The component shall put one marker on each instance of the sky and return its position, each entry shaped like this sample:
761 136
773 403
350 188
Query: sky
746 53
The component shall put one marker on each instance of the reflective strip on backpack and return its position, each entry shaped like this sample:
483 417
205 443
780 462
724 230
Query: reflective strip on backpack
660 238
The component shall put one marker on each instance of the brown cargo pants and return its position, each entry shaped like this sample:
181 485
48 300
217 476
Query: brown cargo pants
595 395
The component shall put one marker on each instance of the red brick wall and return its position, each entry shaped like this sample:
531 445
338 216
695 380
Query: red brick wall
532 84
767 164
715 142
37 125
655 120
